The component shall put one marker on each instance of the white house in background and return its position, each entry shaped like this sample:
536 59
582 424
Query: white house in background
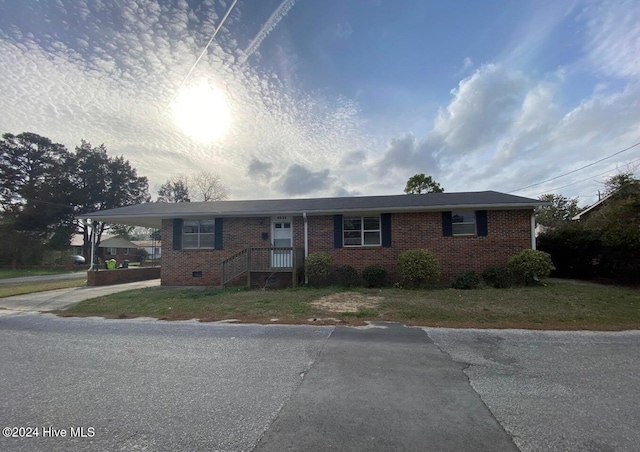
153 248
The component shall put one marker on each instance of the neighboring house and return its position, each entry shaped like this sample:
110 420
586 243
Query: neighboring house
152 247
261 241
117 248
586 213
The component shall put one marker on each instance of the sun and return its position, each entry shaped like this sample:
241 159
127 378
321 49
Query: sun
201 111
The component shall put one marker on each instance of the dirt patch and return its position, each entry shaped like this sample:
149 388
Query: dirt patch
347 302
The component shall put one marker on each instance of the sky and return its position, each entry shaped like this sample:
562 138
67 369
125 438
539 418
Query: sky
317 98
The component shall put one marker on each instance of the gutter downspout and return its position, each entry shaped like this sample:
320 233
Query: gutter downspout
306 243
533 231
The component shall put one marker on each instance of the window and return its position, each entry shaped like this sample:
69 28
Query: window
361 231
463 222
198 234
112 251
126 251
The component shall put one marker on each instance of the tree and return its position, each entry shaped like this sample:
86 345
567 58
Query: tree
206 186
175 189
34 190
102 182
622 185
559 211
419 183
202 186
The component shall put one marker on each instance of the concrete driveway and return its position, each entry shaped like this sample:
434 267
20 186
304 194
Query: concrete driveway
64 298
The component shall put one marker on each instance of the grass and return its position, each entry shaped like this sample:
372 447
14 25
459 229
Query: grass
8 273
564 305
10 289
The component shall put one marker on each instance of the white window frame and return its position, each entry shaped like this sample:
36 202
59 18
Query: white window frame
362 230
198 234
474 223
126 251
111 251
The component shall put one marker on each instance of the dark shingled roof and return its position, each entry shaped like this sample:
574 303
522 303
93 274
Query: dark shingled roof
151 214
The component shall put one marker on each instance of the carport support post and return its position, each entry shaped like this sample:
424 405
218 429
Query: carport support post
249 268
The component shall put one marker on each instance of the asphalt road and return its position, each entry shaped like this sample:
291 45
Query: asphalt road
152 385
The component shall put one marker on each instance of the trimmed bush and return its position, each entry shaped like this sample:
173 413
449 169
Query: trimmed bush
498 277
375 276
346 275
529 263
317 267
418 267
466 281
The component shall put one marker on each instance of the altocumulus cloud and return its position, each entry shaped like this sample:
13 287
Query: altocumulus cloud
298 180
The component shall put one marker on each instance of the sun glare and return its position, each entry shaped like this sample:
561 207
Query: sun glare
201 111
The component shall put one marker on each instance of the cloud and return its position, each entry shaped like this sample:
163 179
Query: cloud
343 30
613 37
298 180
353 158
467 63
257 169
483 105
406 152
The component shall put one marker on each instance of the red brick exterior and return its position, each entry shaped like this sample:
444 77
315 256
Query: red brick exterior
121 275
509 231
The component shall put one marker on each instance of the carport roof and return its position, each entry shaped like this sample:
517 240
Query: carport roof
151 214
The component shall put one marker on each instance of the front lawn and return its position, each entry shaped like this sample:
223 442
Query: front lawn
8 273
566 305
10 289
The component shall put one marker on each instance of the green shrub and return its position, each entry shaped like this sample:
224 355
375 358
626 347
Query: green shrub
418 267
375 276
317 267
529 263
346 275
498 277
466 281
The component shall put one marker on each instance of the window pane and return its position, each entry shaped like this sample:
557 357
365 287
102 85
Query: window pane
208 226
190 227
286 225
372 238
352 223
464 229
190 241
352 238
371 223
207 240
463 216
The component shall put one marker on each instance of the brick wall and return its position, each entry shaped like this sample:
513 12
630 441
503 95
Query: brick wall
121 275
178 266
509 232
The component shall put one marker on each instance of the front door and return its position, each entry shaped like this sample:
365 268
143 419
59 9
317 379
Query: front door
282 237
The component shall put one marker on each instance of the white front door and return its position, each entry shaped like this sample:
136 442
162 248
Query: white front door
282 237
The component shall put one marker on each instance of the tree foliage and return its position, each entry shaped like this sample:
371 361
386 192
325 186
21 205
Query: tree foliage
44 188
419 183
203 186
175 189
559 211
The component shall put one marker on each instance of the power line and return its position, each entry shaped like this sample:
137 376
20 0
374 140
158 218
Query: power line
579 169
215 32
582 180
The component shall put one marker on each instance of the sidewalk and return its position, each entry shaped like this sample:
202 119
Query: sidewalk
64 298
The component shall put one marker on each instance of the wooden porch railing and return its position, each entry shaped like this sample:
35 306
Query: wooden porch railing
263 260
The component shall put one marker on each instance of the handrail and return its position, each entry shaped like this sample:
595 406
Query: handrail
261 259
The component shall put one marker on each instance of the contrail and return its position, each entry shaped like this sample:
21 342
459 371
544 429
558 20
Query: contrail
268 27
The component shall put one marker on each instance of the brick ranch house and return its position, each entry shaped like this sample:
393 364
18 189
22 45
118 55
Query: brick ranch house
265 241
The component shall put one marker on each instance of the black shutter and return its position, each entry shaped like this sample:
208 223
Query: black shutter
218 233
481 222
337 231
177 233
447 225
385 225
